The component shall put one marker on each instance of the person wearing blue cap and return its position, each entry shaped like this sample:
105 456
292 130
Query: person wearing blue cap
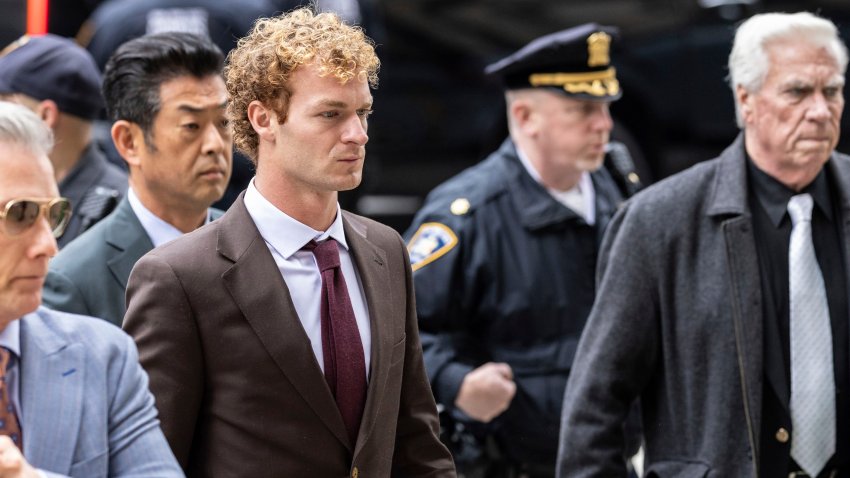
504 254
60 82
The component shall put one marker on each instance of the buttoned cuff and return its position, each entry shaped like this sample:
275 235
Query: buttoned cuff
448 383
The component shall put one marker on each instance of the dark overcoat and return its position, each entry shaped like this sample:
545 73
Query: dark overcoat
678 322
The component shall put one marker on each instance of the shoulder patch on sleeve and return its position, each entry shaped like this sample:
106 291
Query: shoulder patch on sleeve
430 242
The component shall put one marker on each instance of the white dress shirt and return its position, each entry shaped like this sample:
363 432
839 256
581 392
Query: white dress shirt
581 198
158 230
285 237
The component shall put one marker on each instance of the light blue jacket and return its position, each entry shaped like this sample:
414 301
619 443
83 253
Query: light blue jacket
87 410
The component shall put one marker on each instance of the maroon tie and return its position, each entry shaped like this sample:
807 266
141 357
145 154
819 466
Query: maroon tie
342 350
8 420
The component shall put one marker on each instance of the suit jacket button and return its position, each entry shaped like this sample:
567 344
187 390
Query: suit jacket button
782 435
354 472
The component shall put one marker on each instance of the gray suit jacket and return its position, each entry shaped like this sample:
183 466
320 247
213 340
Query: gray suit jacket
678 323
236 382
89 276
87 411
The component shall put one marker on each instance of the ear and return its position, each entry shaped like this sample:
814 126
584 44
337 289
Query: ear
522 115
745 99
129 141
48 112
262 120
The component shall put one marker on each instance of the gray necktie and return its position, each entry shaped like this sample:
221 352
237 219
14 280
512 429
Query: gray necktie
812 379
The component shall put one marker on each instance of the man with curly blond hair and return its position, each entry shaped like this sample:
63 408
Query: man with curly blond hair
282 339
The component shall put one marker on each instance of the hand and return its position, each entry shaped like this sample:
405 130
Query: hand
12 462
486 391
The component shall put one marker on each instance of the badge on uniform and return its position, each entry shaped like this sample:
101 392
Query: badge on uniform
431 241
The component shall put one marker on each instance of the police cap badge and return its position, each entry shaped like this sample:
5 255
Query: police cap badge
576 62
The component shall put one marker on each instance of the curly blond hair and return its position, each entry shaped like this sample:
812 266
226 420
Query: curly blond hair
260 66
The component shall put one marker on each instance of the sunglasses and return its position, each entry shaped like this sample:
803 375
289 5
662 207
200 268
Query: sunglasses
21 214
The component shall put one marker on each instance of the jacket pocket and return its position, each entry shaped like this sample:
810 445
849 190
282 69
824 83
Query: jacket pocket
677 469
94 467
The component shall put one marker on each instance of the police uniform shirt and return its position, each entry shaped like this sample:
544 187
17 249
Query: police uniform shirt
581 198
504 272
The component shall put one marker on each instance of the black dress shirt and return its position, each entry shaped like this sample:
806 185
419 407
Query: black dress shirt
772 225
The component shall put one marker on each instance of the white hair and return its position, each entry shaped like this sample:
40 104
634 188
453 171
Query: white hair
748 62
22 127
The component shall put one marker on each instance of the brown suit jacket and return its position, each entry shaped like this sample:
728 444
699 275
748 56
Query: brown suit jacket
236 382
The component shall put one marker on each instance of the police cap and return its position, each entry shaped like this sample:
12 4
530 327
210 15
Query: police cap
575 62
54 68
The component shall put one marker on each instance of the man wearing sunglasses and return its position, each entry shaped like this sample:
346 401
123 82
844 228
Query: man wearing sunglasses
73 398
60 82
166 97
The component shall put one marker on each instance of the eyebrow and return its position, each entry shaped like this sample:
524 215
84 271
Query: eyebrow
837 80
199 110
339 104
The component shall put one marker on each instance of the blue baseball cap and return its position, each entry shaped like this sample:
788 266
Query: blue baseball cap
55 68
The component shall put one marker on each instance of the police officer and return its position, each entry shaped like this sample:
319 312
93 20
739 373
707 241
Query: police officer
504 253
59 81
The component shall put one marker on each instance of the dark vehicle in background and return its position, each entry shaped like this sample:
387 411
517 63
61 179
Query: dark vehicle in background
436 113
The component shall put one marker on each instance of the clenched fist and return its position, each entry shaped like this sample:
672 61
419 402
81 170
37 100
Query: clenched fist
487 391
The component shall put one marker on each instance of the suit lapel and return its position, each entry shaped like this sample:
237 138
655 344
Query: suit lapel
370 261
728 204
747 316
260 292
130 240
52 386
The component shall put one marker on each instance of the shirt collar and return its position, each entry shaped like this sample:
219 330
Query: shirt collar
10 337
283 233
581 198
526 163
774 196
157 229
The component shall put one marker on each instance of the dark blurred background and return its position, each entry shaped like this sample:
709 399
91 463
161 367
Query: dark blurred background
436 113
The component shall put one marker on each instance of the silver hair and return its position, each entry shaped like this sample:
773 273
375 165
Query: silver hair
748 62
22 127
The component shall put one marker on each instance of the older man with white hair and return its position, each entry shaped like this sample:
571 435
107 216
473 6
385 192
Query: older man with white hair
722 299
